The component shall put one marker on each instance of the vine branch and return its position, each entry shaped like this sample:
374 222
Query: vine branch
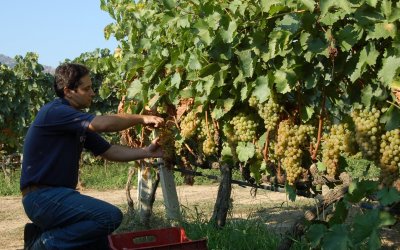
320 126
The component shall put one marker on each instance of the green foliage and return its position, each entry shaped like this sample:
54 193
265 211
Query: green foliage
300 51
359 168
363 229
25 88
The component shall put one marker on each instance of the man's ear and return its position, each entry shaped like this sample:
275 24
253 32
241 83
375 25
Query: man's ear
67 92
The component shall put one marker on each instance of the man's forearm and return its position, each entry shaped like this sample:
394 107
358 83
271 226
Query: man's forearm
125 154
115 123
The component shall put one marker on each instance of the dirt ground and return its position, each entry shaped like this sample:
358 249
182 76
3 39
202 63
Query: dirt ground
272 207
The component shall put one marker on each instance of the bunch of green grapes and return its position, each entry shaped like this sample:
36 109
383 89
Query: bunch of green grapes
209 146
367 131
282 139
162 109
245 127
230 133
291 139
189 125
231 139
269 111
167 143
338 140
253 101
203 131
390 159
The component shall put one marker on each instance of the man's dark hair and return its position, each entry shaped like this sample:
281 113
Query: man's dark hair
68 75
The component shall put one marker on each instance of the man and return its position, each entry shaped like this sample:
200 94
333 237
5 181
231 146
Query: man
62 217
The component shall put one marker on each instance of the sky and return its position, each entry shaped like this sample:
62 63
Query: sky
54 29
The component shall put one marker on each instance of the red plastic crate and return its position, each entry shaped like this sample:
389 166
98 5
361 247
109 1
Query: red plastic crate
173 238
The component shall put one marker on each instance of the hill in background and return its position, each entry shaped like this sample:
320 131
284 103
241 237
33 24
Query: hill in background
10 62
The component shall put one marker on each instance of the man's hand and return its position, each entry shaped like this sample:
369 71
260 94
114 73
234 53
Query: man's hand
153 120
155 149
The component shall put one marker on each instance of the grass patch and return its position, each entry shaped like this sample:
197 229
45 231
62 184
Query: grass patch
107 176
114 176
11 186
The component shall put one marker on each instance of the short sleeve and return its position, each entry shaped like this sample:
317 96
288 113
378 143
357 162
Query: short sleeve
60 117
95 143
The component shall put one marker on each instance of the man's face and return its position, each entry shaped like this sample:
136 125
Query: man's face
396 92
81 97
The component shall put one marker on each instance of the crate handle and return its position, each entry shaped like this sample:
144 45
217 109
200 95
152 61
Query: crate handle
144 239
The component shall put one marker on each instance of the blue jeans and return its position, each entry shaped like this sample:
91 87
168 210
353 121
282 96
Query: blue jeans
71 220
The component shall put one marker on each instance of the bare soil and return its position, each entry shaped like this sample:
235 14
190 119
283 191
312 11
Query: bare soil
271 207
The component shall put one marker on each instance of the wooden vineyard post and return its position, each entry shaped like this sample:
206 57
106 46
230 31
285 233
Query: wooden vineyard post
221 206
146 194
170 195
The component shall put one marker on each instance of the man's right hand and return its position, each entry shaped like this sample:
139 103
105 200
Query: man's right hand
155 149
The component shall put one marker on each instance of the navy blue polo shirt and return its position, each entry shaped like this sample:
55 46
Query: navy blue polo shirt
54 143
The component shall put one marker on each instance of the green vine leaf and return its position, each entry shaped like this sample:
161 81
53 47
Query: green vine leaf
359 190
325 5
349 36
194 63
310 4
365 225
262 90
170 4
388 196
202 31
337 238
291 192
306 113
246 62
245 151
315 233
367 57
382 30
135 88
366 95
391 118
389 69
284 80
228 35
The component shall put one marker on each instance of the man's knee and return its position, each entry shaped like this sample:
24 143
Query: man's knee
113 219
116 217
